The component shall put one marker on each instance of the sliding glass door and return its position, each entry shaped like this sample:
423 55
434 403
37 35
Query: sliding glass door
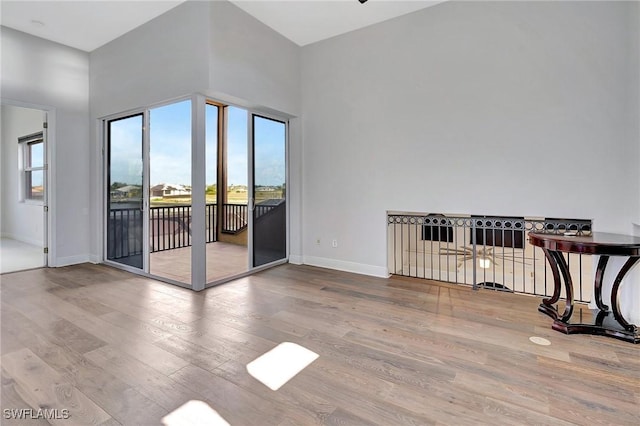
196 191
268 192
170 195
125 185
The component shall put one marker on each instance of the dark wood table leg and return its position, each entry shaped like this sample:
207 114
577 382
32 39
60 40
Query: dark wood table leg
556 278
600 318
546 307
615 304
597 285
568 285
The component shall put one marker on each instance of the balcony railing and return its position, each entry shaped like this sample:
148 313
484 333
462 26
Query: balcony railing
234 218
123 233
170 226
482 251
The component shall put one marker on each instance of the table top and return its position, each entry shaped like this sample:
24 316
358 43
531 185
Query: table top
602 243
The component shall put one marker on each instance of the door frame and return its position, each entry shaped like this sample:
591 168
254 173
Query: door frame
198 106
145 185
49 202
252 114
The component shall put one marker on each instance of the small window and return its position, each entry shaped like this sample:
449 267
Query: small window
33 167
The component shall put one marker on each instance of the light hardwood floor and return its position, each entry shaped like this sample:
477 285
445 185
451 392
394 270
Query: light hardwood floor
115 348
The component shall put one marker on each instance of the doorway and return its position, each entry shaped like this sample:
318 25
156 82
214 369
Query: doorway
161 199
23 171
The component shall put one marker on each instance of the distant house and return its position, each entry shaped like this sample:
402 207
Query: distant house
167 190
127 191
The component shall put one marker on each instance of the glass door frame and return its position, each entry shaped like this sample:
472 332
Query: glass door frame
251 115
106 150
198 144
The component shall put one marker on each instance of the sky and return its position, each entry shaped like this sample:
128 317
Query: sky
170 147
36 153
125 150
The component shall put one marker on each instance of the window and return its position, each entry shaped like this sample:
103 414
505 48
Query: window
33 167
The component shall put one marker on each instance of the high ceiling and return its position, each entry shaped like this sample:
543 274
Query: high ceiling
88 24
308 21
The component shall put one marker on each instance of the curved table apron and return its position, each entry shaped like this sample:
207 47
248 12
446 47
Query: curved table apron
598 243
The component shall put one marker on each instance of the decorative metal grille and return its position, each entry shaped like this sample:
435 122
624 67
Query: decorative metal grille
483 251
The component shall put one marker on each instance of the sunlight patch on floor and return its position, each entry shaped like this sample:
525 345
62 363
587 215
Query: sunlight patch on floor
281 364
194 413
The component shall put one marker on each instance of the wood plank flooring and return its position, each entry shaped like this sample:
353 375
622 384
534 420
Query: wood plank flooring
115 348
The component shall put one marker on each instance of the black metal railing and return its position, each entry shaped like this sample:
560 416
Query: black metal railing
211 212
482 251
124 233
234 218
170 226
262 209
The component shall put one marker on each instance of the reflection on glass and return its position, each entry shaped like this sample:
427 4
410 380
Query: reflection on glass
170 213
269 215
125 221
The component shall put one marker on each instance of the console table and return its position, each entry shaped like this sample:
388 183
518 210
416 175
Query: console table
597 243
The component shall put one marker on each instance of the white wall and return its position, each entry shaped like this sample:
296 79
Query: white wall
515 108
165 58
210 47
20 220
634 99
251 63
630 303
43 73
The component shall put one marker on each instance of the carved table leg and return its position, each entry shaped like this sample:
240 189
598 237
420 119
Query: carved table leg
556 279
568 285
614 294
597 285
600 318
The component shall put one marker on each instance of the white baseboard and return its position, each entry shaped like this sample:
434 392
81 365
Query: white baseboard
72 260
341 265
296 259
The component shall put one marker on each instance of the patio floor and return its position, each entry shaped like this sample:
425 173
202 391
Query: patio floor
223 260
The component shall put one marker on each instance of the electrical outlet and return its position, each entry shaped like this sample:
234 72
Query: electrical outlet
334 243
